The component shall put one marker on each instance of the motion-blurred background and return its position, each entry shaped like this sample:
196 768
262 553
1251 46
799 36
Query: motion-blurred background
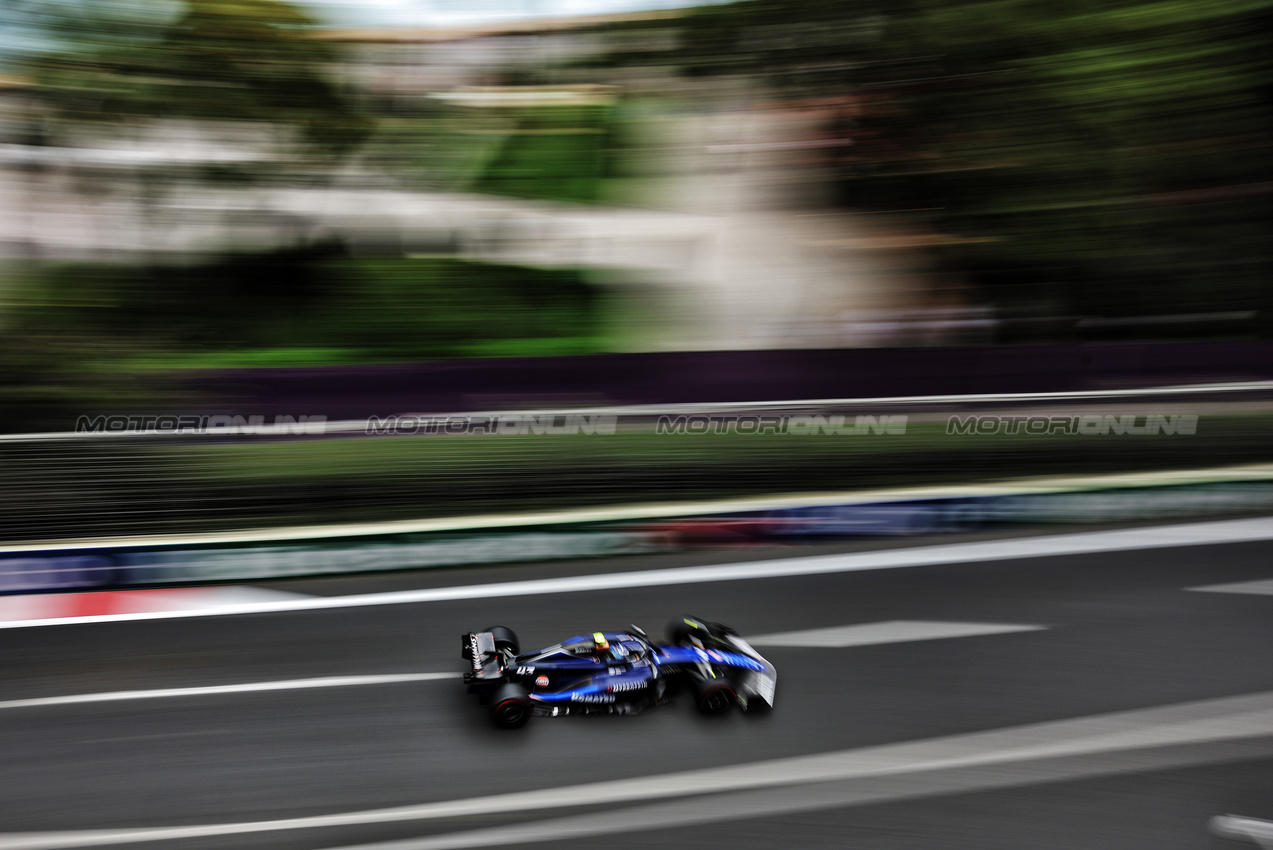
315 208
742 285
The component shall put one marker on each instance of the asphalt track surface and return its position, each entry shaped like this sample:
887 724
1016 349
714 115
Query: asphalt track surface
1135 710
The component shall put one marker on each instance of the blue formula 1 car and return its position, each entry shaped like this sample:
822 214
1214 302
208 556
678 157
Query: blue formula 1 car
616 672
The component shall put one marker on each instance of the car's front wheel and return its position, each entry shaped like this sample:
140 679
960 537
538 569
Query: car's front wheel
511 707
715 696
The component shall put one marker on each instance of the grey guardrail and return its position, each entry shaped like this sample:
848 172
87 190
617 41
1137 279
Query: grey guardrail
225 425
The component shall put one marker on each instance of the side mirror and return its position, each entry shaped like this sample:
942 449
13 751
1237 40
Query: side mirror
637 630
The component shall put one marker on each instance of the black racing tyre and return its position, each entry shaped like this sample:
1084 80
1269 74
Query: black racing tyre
511 707
505 638
715 696
680 630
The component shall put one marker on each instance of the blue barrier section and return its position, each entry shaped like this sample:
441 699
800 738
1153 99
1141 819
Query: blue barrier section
37 572
978 512
171 565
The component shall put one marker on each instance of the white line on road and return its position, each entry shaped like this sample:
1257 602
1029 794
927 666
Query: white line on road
1084 543
1257 588
892 631
158 736
69 606
896 631
727 810
246 688
1122 735
1231 826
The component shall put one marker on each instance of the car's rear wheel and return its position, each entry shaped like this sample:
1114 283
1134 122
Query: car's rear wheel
511 707
716 696
505 638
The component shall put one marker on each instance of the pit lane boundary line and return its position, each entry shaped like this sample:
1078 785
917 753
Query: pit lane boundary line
242 688
670 510
1083 543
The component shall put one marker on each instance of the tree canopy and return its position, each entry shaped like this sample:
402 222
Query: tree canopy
213 60
1101 157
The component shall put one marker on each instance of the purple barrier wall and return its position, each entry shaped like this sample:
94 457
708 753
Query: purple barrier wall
451 386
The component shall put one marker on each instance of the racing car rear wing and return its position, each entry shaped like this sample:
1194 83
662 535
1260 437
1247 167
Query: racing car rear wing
478 648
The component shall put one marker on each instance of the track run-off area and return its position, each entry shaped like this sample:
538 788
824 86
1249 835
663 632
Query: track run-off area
1102 689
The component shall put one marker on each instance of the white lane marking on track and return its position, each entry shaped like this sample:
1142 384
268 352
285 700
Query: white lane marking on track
1231 826
1209 721
1258 588
158 736
1084 543
97 603
746 806
213 690
894 631
891 631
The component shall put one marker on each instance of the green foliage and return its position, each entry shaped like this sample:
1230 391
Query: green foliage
543 152
551 152
309 306
411 309
1090 158
219 60
1113 152
80 336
